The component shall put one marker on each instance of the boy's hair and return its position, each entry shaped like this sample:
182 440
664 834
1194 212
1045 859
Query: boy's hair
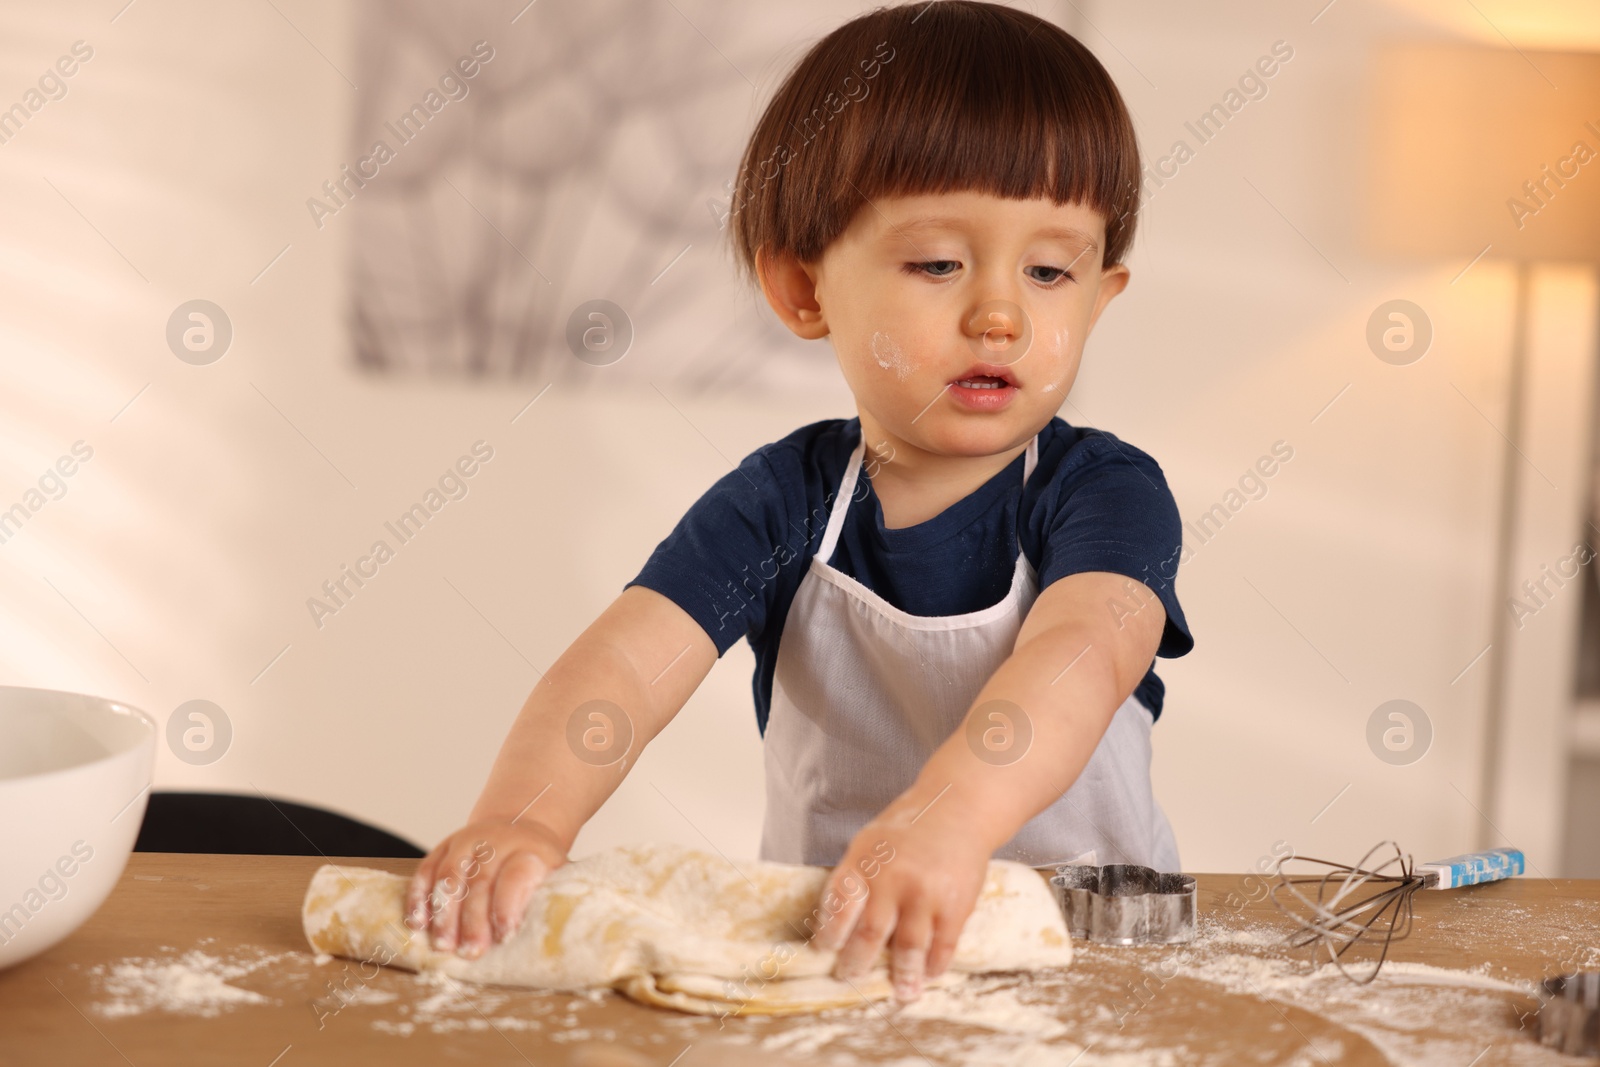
928 98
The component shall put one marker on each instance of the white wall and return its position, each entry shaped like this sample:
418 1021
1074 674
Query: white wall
178 563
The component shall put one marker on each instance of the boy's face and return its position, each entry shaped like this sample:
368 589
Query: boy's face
958 318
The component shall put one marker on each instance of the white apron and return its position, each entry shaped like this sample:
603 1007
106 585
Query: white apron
863 693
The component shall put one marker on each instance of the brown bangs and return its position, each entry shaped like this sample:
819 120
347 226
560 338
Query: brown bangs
939 97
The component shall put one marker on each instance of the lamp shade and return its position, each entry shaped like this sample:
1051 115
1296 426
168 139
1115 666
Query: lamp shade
1473 146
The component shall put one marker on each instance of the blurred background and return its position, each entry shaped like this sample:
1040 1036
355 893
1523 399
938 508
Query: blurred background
236 341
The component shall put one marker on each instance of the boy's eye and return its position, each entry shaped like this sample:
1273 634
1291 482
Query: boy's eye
1056 274
943 268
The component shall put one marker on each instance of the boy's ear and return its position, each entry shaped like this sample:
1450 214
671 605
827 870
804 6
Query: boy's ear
791 289
1112 281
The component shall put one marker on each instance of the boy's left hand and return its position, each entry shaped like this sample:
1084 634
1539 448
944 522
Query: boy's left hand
910 886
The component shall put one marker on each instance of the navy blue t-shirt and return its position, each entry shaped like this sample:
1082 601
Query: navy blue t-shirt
1094 503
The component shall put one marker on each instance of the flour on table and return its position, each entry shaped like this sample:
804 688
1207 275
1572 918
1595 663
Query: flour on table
455 1006
1085 1018
193 983
986 1004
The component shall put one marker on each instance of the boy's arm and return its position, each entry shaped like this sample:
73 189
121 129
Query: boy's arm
645 656
1084 646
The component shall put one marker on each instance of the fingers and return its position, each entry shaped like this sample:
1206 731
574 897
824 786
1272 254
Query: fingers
462 869
519 876
908 953
468 899
866 941
474 929
444 901
843 899
943 946
420 887
473 889
495 901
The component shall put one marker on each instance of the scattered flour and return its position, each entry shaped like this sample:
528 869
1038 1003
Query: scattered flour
403 1028
805 1040
1397 973
1399 1013
979 1003
994 1027
195 983
458 1005
367 995
1069 1017
1057 1018
1046 1019
1255 936
1260 975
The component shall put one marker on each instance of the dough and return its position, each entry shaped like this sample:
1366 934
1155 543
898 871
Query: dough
679 928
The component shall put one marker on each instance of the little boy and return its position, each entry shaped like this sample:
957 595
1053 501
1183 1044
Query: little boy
955 598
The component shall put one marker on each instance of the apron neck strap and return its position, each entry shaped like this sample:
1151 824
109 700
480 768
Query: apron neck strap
852 475
1030 459
841 500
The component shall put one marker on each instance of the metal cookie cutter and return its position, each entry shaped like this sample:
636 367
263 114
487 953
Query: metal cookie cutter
1569 1013
1125 904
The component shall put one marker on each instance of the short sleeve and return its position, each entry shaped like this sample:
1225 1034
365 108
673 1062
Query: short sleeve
728 558
1113 512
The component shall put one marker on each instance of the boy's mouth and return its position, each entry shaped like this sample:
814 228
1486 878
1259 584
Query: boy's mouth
984 387
986 376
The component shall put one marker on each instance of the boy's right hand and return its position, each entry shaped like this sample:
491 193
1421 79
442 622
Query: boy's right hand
477 882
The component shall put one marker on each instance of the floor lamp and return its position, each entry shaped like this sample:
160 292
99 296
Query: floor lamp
1483 153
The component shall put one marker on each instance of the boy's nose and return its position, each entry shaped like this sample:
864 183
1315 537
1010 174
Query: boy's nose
999 331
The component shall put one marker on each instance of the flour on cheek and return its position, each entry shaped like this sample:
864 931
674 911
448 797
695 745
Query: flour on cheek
1060 350
890 356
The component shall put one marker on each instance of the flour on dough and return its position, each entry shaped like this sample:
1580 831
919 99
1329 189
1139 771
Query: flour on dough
679 928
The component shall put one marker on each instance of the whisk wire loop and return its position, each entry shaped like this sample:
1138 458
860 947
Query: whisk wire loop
1350 904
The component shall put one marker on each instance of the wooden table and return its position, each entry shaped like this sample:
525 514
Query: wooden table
1228 998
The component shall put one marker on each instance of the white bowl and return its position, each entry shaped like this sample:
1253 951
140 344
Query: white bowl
74 778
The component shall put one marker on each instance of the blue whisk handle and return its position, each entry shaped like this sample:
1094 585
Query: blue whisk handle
1472 868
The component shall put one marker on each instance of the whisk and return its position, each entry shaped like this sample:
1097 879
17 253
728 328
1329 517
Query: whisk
1352 904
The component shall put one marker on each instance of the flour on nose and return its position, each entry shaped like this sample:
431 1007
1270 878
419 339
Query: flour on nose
889 355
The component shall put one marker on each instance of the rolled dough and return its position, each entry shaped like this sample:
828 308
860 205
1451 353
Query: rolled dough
679 928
